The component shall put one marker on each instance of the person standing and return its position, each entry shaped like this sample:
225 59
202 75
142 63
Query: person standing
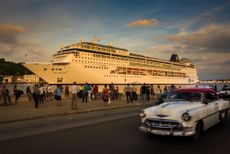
111 89
29 93
134 93
95 91
5 94
128 93
85 92
80 93
90 92
165 88
41 96
49 93
106 94
57 95
17 93
74 92
36 95
67 95
172 87
158 90
116 92
152 90
144 92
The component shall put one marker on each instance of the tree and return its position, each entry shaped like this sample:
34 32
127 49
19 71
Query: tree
1 79
2 59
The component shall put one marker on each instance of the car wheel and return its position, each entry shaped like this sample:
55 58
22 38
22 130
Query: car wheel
199 130
223 117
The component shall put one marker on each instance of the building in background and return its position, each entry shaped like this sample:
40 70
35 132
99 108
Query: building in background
21 79
31 78
7 79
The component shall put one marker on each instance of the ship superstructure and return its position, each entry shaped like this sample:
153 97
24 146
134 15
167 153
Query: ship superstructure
102 64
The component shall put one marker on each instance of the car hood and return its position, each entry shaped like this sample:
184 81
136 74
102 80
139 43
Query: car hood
172 109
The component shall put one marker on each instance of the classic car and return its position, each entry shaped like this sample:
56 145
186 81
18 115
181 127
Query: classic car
185 112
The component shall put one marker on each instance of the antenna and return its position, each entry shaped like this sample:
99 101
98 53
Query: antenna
95 39
81 40
62 47
110 44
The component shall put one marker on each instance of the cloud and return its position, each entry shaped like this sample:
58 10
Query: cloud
8 38
8 32
212 38
207 48
143 23
212 65
14 46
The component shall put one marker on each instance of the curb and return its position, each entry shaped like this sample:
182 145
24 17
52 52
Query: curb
49 115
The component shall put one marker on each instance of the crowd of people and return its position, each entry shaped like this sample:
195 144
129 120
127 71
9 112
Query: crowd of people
38 94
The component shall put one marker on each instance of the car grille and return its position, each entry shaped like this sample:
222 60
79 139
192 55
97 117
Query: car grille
163 124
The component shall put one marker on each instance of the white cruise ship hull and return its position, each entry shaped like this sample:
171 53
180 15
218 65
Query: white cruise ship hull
99 64
54 74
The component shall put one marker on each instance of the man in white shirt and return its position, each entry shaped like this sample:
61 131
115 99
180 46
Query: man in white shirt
49 93
74 92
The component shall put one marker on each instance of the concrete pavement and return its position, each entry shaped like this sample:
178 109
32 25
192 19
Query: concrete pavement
24 110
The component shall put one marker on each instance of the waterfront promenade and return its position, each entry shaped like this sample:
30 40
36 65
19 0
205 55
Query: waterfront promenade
24 110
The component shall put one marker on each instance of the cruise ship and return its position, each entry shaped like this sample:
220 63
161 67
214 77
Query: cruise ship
102 64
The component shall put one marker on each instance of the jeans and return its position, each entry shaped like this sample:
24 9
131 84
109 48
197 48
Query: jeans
144 97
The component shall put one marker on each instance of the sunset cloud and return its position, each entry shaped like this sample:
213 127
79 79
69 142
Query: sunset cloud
8 39
11 28
8 32
14 47
143 23
213 38
208 47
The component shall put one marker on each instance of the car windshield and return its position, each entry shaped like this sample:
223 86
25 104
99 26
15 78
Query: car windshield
188 96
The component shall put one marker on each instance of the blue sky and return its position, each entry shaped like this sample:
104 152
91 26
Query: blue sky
199 30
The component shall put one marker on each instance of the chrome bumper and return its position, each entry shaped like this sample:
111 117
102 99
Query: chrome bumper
183 132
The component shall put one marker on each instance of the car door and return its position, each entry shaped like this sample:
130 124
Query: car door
211 110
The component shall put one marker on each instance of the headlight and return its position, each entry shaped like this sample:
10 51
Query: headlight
186 116
142 114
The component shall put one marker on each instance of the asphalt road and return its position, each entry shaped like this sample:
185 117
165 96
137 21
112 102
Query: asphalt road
117 136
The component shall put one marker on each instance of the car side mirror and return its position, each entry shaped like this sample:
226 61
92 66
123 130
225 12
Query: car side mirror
205 101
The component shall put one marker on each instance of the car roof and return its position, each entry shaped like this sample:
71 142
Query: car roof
199 90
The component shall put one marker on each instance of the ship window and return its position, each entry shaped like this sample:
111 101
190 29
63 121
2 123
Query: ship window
45 69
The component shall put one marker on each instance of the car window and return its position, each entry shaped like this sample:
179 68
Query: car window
189 96
210 97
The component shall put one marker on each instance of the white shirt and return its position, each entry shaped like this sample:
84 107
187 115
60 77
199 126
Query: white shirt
49 89
41 90
74 89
